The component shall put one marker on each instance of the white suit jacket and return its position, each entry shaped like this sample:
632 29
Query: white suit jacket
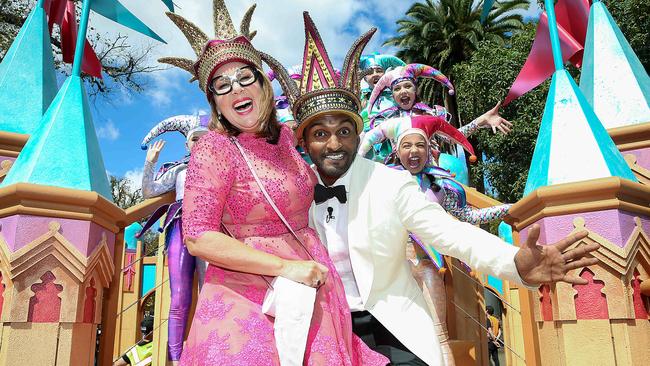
384 206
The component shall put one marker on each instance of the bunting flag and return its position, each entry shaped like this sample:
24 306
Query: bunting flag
170 4
69 28
487 6
539 64
55 10
573 16
62 13
115 11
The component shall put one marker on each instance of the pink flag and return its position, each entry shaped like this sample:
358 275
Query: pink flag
573 16
539 65
90 63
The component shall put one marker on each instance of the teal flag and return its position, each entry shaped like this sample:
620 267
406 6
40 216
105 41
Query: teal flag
170 5
487 6
115 11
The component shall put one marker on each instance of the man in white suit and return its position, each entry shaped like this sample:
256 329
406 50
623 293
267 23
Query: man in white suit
363 212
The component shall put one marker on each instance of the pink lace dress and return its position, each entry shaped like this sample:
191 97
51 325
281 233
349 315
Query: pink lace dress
229 327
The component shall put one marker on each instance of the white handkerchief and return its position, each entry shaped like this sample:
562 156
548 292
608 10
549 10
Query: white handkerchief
292 305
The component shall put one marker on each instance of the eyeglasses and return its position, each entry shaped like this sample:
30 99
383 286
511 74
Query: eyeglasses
223 84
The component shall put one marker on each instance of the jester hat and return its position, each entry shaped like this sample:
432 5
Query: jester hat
295 73
409 72
395 129
228 45
321 90
185 124
386 62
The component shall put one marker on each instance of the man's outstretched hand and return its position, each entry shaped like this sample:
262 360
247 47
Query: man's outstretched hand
538 264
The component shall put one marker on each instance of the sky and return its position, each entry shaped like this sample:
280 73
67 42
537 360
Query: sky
123 121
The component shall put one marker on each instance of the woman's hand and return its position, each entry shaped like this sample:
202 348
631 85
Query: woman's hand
493 119
310 273
154 151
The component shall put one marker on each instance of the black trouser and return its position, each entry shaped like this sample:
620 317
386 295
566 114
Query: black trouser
493 352
379 339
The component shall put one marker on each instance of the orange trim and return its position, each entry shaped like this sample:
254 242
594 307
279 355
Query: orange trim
569 198
39 200
11 144
631 137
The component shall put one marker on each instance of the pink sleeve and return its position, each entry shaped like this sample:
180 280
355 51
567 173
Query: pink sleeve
210 175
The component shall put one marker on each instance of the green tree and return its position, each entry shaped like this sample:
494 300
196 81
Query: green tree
445 33
124 64
482 82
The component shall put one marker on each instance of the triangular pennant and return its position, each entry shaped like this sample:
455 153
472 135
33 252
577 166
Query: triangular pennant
115 11
539 64
69 28
169 4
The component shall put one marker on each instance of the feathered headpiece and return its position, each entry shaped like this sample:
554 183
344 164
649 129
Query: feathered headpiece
227 46
395 129
386 62
321 90
408 72
185 124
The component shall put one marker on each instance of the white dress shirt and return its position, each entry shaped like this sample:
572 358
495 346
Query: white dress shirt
334 226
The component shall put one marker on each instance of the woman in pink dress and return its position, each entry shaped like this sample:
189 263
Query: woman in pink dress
222 196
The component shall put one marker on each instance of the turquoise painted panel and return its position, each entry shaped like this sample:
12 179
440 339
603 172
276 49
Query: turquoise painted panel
27 77
538 172
505 232
148 278
456 165
64 150
129 235
496 284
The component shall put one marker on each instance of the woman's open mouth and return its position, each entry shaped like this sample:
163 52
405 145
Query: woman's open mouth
405 100
243 106
414 162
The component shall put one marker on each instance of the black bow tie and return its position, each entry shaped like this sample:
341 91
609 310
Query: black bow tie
322 193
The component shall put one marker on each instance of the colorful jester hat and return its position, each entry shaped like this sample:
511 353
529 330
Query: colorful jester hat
385 62
227 46
409 72
395 129
321 90
188 125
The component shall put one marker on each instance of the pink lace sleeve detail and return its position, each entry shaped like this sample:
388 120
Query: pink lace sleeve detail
210 175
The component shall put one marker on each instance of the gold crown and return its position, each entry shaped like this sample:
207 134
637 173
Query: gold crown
322 89
224 30
217 53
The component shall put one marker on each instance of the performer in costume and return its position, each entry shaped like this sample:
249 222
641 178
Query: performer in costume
402 81
414 154
412 136
283 109
363 212
181 264
373 68
235 174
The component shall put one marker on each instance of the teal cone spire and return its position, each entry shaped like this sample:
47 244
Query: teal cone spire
27 76
613 79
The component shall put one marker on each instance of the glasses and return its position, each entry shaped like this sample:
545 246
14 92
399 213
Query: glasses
223 84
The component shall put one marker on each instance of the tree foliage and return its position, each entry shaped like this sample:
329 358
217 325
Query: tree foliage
488 75
123 63
447 32
124 195
482 82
